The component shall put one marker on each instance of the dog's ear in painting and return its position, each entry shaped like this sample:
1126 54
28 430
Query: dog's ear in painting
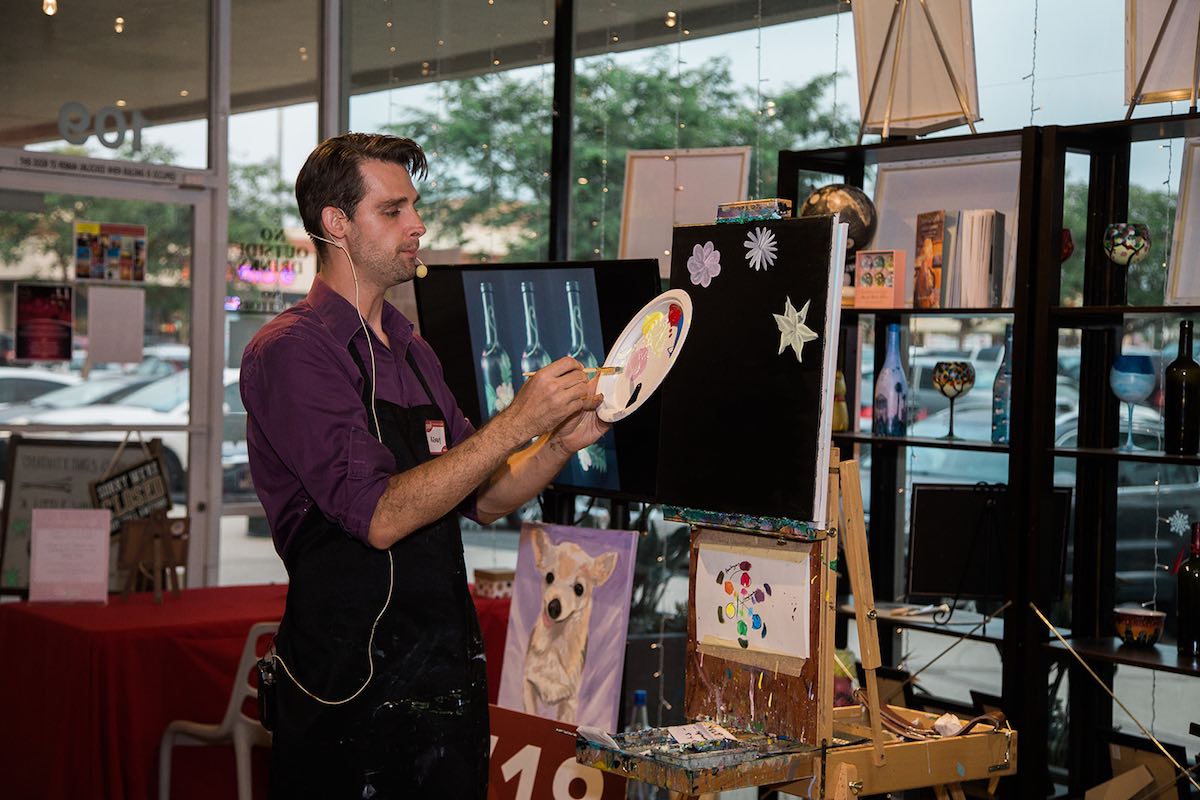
601 568
541 548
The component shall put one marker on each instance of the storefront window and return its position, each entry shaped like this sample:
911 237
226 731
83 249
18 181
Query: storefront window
472 83
83 85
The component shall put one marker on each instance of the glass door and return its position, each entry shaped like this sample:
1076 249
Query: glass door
110 299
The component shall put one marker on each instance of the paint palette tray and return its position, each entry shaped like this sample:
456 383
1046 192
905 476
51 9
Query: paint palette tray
654 757
782 527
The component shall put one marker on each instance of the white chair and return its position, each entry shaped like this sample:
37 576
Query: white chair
236 728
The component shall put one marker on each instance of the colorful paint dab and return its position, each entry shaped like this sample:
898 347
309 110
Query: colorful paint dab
736 581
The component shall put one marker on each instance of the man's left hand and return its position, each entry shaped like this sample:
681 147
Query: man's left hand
580 429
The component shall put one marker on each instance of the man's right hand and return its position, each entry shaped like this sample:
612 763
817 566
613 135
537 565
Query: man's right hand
550 396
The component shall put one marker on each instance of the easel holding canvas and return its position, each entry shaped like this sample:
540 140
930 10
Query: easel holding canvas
812 749
746 432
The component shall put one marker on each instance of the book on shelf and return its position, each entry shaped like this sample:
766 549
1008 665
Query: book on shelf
973 273
881 279
959 261
927 259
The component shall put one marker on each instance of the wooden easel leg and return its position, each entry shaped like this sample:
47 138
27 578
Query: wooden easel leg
846 785
858 564
158 569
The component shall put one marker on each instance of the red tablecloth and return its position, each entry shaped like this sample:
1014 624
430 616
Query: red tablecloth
86 691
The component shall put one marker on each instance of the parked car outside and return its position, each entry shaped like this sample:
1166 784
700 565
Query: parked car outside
22 384
163 402
71 395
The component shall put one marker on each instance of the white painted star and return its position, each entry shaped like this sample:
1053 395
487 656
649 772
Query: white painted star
1179 523
793 332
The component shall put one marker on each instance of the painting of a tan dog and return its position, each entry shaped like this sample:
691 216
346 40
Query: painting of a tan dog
568 623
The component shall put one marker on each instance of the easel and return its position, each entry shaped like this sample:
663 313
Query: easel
152 542
900 14
1195 82
855 756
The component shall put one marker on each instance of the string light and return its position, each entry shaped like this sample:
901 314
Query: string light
49 7
1032 76
119 25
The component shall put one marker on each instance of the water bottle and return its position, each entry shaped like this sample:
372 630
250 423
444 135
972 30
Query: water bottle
639 720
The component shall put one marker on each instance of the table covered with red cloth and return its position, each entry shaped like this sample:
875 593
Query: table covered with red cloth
87 690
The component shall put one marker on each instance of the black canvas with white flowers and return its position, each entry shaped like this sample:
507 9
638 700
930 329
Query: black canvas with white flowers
747 408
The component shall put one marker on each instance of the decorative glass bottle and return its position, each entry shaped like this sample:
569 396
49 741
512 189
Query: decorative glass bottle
1188 599
890 416
495 362
1181 398
534 356
579 348
1002 392
841 414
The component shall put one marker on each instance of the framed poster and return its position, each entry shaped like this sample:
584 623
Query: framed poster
109 251
51 473
45 316
664 188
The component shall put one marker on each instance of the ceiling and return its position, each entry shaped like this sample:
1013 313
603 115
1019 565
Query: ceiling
161 52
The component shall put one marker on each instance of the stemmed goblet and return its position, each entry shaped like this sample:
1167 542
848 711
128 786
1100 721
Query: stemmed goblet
1132 380
953 379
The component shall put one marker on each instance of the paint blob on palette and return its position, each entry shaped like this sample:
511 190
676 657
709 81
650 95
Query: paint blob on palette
645 351
739 611
750 601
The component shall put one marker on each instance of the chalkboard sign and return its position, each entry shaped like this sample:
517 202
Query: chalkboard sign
51 473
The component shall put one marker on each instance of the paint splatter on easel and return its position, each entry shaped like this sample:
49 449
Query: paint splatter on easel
738 609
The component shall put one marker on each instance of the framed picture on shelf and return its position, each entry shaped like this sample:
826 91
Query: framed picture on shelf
1183 279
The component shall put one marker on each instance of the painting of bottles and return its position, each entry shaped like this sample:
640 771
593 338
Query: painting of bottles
521 320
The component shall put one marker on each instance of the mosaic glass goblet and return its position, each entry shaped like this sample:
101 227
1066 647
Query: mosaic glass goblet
953 379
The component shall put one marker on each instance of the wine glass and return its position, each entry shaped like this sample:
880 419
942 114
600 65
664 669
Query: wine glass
953 379
1132 380
1126 243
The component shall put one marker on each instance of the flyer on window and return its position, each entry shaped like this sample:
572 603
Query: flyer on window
110 251
44 321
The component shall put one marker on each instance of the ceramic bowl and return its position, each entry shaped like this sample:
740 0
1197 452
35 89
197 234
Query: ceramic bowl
1139 626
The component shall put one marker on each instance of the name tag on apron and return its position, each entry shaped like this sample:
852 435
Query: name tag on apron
435 435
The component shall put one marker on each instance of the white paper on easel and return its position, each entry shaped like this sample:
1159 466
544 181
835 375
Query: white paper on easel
69 555
752 602
115 324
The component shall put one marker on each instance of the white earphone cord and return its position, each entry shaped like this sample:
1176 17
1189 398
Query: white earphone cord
391 564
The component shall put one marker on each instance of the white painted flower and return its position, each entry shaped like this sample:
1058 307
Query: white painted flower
793 330
760 248
704 264
504 396
1179 522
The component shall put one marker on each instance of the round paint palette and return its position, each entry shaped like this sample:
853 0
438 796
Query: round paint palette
645 352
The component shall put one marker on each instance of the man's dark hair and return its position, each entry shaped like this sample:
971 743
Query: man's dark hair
331 176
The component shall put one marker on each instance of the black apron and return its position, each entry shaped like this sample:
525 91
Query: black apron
420 726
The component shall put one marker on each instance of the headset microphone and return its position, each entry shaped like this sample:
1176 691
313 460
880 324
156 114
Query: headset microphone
422 270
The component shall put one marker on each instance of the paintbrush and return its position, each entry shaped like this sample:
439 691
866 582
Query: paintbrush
592 371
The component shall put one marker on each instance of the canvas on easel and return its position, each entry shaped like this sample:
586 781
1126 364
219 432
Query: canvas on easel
757 376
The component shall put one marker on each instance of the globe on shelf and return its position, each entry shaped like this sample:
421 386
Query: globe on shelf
854 207
1126 243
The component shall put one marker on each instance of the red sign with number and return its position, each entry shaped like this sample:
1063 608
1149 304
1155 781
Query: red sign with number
532 760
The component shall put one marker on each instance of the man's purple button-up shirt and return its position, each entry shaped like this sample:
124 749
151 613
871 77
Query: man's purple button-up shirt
306 430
